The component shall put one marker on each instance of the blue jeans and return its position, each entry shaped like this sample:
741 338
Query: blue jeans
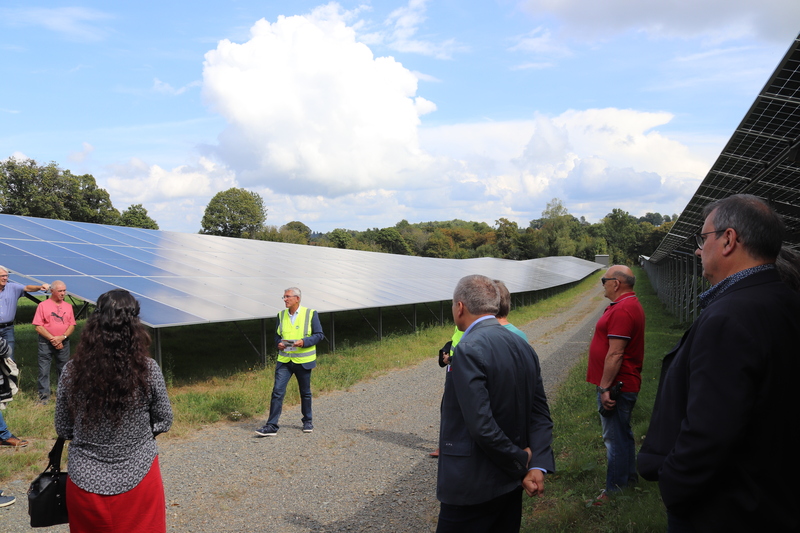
46 354
8 334
4 432
620 444
283 372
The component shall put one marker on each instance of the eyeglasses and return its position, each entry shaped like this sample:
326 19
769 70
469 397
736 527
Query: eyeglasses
700 238
603 280
287 297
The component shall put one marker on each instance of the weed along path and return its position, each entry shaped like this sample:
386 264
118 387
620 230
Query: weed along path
365 467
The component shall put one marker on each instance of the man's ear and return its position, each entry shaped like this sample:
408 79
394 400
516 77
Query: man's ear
731 242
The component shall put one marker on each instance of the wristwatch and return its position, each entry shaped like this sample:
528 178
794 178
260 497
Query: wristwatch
601 390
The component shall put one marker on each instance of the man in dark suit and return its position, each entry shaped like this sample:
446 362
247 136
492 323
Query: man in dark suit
496 432
723 434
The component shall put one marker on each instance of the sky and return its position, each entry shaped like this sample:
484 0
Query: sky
362 114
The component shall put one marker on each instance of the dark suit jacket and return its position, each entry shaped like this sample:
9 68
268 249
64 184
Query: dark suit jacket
723 436
494 406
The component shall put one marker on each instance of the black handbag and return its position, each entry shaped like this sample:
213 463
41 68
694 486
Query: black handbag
47 495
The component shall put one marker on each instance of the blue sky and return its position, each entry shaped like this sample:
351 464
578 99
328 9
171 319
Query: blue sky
361 114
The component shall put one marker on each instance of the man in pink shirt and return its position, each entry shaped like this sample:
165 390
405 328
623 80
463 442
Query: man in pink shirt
54 321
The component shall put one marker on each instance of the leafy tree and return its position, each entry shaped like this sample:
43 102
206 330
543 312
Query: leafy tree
234 213
136 217
391 241
438 245
340 238
623 234
555 208
49 192
507 238
656 219
299 227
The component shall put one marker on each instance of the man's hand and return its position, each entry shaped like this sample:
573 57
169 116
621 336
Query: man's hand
298 343
608 403
533 483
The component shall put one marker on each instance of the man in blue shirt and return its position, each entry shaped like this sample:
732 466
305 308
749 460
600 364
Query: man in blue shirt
10 293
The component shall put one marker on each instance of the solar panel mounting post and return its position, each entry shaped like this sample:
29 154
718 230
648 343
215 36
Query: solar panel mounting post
157 346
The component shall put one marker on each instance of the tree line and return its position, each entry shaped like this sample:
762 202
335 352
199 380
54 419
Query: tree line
47 191
240 213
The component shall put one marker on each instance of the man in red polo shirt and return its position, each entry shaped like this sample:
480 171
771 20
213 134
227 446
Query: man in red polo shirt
615 355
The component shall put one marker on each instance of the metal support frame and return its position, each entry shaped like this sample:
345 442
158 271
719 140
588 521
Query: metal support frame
332 338
264 342
157 346
677 280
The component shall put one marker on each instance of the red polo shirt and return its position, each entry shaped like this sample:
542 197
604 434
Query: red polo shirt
623 319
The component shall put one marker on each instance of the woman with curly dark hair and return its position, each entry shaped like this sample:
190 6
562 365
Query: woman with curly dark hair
112 402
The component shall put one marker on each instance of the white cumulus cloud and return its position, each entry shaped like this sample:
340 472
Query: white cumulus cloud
309 108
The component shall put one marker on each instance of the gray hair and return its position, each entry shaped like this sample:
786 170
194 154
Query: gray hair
624 278
4 269
295 291
759 228
505 299
479 295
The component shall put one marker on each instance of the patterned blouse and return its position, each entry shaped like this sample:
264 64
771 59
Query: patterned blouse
111 460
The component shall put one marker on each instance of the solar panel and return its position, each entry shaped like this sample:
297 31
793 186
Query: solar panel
761 158
182 279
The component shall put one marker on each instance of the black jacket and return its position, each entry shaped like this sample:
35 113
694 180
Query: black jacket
494 406
723 435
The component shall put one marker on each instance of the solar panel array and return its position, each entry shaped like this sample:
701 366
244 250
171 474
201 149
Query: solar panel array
182 278
761 158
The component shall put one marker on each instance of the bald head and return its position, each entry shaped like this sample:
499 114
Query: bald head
623 274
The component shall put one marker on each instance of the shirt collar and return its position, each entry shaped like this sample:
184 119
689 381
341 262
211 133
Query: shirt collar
624 297
714 292
481 319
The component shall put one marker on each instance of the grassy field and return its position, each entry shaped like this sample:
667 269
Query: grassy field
214 374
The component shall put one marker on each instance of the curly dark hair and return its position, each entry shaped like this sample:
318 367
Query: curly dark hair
109 369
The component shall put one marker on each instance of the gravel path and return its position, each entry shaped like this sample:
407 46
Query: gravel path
364 468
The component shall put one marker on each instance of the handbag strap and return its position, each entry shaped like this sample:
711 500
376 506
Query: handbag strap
55 455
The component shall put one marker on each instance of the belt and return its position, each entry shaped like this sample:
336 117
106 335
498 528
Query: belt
6 324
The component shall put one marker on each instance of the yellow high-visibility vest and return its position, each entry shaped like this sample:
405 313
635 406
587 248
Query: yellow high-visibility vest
292 332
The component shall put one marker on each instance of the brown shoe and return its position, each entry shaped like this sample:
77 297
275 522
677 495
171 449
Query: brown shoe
14 441
435 453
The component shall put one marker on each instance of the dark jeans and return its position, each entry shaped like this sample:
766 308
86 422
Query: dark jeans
8 334
500 515
46 354
283 372
620 444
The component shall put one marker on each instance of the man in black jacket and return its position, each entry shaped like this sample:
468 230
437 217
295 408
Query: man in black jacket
723 434
496 432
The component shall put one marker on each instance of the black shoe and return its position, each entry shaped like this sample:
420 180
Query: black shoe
308 427
267 431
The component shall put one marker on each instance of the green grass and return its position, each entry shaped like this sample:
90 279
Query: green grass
580 453
215 375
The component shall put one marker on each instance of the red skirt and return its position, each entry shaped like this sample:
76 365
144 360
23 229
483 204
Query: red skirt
142 509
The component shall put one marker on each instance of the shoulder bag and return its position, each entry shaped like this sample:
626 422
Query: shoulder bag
47 495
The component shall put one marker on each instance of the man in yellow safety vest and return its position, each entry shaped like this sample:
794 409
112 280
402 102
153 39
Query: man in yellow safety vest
297 333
